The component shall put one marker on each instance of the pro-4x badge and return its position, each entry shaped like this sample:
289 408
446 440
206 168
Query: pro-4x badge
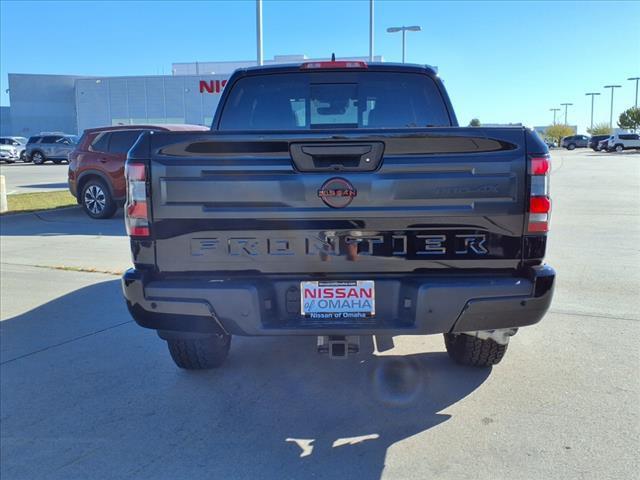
337 192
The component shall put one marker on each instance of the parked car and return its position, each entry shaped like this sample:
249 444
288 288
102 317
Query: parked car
96 165
8 154
301 213
575 141
54 147
18 143
623 141
595 141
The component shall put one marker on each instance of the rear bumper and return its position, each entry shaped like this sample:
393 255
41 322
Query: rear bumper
405 305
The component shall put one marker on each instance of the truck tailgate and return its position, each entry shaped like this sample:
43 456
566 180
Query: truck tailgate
435 198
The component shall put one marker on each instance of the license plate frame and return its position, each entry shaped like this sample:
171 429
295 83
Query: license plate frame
343 299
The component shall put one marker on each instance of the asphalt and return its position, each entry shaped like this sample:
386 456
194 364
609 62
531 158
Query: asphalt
29 178
86 393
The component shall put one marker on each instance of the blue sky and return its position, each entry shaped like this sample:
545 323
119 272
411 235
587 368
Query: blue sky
501 61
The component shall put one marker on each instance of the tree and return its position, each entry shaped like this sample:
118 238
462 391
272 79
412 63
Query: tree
474 122
558 131
630 119
599 129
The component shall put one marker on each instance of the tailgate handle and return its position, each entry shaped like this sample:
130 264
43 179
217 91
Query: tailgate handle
336 150
344 157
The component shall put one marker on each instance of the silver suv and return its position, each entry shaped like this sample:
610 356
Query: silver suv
54 147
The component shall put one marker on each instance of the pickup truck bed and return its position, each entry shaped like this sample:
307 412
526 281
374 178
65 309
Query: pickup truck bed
243 225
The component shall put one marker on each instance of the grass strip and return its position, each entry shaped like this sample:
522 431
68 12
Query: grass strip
35 202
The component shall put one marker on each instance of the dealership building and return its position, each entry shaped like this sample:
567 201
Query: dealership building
72 103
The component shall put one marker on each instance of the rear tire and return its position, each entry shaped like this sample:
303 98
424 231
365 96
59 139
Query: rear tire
571 146
97 201
200 353
473 351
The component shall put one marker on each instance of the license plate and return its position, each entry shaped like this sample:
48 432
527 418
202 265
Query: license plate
334 300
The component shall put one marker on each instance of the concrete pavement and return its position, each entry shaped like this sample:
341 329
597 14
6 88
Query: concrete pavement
65 238
29 178
86 393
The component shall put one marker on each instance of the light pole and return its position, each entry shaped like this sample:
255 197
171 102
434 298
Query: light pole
612 87
371 30
554 110
404 30
566 105
593 94
636 79
259 32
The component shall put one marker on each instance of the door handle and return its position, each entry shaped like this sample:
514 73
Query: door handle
103 160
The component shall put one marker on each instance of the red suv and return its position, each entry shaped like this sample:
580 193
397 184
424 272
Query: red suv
96 166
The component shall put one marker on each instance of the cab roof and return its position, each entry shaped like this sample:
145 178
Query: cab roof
370 66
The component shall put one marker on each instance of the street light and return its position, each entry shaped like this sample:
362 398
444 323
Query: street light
554 110
259 57
403 29
566 105
612 87
636 79
593 94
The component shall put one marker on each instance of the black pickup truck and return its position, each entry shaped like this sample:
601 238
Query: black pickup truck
338 199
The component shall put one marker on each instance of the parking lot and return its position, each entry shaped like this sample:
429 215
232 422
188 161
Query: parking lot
86 393
29 178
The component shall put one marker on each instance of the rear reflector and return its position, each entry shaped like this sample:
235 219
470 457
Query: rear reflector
342 64
136 207
538 227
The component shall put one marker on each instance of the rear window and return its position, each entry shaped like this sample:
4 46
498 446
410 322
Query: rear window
122 141
290 101
101 142
34 139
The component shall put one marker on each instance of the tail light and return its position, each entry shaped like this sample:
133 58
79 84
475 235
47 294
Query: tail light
539 200
136 207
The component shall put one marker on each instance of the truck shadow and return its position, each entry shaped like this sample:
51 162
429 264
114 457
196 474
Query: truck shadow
65 221
80 378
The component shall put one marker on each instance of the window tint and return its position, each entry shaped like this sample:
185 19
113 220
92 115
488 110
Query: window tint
34 139
3 141
50 139
101 142
122 141
348 100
